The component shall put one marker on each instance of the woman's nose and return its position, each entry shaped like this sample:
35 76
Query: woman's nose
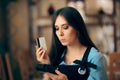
61 33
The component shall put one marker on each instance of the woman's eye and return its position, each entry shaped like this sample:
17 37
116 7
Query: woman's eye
56 28
65 26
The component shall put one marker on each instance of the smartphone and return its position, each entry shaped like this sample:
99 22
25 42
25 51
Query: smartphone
41 42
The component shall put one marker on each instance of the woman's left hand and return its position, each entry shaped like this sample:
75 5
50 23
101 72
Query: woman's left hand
57 76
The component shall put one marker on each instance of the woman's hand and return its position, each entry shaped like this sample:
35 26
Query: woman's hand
58 76
42 56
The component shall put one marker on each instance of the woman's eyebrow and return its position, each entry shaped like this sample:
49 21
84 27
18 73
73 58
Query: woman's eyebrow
62 24
65 24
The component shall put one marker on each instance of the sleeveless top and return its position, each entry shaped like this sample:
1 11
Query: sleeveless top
80 71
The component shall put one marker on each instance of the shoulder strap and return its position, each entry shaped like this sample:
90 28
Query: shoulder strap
84 63
85 56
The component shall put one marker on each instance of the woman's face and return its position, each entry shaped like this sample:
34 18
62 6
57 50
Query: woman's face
65 32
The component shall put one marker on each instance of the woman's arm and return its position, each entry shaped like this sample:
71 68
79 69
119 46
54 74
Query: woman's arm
100 73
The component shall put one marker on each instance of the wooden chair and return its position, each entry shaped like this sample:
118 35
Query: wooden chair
25 64
2 71
9 66
3 75
114 66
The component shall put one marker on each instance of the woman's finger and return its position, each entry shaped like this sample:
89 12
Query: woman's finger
52 76
43 54
39 51
58 72
61 76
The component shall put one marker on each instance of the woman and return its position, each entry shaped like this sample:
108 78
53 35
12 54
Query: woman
73 53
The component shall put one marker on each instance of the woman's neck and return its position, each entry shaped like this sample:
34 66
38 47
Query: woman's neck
74 52
76 48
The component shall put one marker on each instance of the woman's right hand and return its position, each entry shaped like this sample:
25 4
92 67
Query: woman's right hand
57 76
42 56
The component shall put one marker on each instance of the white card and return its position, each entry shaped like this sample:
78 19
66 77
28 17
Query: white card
42 42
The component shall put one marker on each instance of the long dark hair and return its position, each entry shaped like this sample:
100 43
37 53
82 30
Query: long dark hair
74 18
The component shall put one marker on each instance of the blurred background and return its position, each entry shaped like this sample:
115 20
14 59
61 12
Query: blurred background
22 21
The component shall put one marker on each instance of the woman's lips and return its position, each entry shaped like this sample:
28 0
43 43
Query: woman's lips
62 40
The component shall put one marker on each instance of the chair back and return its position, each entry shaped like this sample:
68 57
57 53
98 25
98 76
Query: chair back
114 67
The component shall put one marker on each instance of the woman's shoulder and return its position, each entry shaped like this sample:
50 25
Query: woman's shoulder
95 54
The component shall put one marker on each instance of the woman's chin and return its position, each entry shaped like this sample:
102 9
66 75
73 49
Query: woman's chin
64 44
